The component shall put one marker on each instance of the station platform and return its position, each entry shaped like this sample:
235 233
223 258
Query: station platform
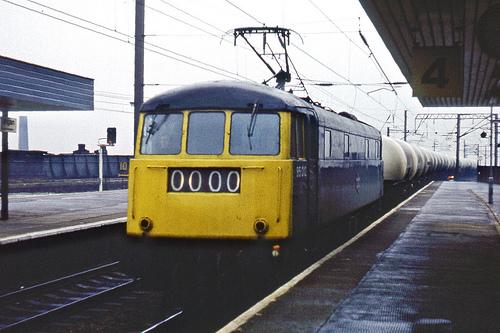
430 265
41 215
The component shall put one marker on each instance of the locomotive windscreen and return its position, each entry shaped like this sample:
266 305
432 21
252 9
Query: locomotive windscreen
255 134
206 133
250 133
162 134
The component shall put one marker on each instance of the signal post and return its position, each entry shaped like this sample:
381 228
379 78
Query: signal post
110 141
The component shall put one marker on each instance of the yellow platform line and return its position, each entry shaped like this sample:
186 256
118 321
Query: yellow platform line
492 212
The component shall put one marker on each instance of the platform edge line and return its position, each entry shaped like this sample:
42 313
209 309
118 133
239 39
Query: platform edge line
490 209
261 305
57 231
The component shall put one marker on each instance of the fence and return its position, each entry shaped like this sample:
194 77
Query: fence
41 165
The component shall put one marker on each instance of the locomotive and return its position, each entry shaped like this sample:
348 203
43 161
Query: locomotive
237 160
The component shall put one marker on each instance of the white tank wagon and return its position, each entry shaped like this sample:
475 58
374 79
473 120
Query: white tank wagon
434 162
395 165
420 161
411 159
441 165
468 164
427 161
404 162
447 163
451 160
472 164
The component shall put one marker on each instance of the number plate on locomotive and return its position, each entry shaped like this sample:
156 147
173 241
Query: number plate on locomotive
205 180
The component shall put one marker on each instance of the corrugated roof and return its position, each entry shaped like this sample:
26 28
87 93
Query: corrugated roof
408 26
29 87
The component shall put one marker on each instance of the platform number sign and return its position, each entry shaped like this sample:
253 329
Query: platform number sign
436 74
437 71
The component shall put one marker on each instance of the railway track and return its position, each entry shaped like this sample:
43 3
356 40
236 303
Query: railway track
40 300
102 298
109 298
159 324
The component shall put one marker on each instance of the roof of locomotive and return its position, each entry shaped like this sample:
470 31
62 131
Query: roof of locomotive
231 95
239 95
338 122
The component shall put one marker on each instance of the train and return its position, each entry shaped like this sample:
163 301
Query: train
404 162
239 160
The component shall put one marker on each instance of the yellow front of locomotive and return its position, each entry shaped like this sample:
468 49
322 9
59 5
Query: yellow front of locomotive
211 174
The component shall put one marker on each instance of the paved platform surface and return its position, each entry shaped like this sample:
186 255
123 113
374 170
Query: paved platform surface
433 266
41 215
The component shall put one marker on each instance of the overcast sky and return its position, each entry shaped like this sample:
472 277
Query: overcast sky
191 41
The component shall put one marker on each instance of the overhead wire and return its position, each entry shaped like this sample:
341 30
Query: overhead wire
197 18
338 100
80 26
377 64
66 21
149 7
363 38
338 28
114 94
113 103
191 15
113 110
198 64
198 61
339 75
245 12
476 127
159 11
299 76
127 40
338 83
355 98
385 122
327 32
260 22
344 78
77 17
381 69
201 64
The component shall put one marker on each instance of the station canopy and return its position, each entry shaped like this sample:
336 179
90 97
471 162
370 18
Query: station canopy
448 50
29 87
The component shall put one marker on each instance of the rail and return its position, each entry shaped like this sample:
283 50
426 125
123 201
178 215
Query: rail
23 305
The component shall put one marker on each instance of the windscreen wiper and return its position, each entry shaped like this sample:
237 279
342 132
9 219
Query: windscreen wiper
151 128
154 127
251 126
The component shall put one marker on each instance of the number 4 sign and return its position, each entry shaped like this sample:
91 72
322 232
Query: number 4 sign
437 71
